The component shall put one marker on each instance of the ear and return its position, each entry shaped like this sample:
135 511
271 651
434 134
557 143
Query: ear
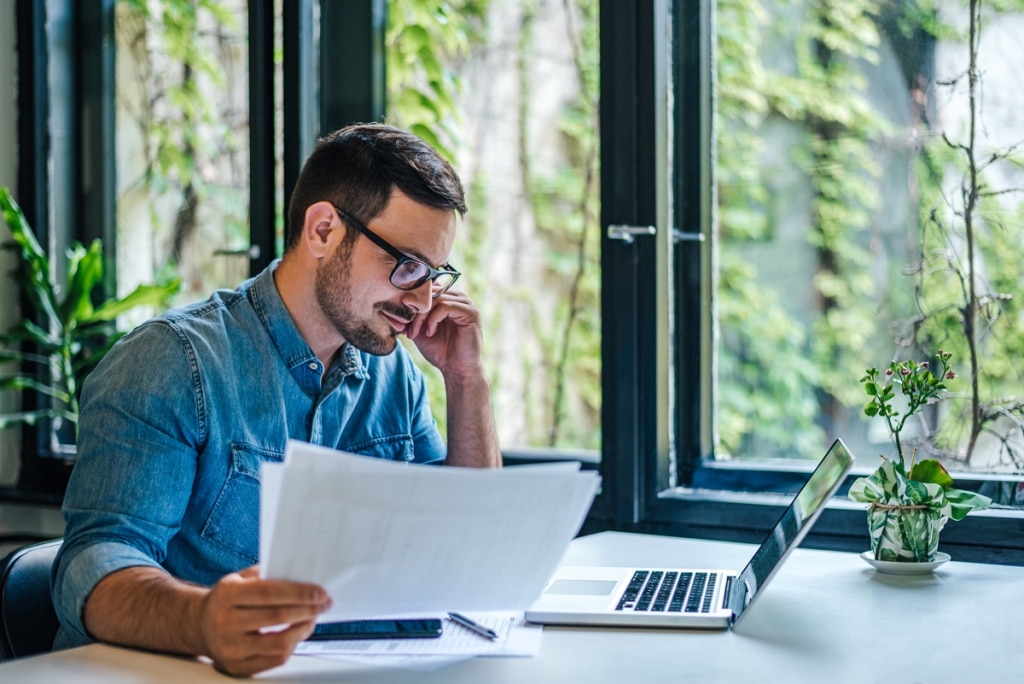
318 230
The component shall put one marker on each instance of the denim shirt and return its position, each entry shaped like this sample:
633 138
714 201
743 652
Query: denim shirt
178 418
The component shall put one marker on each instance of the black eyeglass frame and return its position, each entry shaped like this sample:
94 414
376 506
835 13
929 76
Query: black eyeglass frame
401 258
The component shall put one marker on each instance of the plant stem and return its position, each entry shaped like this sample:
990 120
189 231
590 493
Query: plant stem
971 200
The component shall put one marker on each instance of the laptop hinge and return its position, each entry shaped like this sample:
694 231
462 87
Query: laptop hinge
728 592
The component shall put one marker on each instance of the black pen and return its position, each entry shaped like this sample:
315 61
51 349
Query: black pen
473 625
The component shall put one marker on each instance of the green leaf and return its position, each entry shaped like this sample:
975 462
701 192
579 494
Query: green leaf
85 272
33 417
143 295
22 382
34 274
930 470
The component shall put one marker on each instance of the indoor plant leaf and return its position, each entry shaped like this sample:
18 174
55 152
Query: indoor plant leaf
85 272
67 337
930 470
141 296
34 273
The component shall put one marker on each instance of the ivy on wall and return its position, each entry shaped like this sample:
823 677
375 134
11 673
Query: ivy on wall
551 377
790 360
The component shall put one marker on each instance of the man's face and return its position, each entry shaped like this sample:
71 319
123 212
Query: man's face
353 288
334 294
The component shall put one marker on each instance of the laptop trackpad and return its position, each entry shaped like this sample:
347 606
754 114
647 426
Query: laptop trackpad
578 587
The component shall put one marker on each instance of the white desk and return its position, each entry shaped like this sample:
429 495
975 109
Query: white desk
826 617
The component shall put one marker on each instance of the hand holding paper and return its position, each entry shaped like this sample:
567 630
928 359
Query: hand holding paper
388 538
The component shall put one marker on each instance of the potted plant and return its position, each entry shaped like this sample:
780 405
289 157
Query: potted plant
910 501
67 330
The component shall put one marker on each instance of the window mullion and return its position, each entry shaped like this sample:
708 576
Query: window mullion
633 145
692 204
262 156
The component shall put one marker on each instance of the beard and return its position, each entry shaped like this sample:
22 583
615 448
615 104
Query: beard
334 295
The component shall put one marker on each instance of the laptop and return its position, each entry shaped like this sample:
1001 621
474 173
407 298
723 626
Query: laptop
688 597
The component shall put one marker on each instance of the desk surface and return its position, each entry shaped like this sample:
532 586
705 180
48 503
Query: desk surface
826 617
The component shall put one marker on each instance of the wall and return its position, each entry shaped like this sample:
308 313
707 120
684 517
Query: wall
8 177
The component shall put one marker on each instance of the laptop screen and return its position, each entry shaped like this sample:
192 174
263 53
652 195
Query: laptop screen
792 527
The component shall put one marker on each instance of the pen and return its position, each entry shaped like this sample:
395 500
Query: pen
473 625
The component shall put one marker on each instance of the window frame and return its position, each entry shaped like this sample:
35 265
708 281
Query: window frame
66 182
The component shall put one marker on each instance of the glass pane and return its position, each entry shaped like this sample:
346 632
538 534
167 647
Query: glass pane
508 90
868 210
182 143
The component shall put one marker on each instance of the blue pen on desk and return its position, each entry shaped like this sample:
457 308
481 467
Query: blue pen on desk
473 625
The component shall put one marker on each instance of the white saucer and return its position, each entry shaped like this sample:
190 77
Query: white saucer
905 568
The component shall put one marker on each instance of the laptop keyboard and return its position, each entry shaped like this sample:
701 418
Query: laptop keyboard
670 592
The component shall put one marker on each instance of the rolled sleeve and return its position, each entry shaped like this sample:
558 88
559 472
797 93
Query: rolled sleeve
134 472
77 571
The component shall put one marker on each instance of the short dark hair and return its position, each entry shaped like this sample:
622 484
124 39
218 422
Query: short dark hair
357 168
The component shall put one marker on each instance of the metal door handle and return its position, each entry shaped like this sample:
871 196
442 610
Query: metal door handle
618 231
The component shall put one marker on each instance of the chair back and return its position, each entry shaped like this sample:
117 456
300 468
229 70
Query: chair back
28 622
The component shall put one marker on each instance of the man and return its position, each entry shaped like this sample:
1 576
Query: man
161 543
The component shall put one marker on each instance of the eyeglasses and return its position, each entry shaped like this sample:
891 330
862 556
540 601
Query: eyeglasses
409 273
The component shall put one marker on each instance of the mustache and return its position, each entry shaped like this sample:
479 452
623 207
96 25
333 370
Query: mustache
402 312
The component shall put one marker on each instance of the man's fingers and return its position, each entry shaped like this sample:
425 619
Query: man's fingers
458 309
257 652
252 624
257 619
245 589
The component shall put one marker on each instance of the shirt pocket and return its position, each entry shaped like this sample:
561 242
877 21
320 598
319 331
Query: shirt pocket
391 448
234 521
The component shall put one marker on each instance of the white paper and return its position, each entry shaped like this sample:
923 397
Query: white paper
388 538
271 475
516 637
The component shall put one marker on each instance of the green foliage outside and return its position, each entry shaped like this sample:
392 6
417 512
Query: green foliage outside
426 43
779 370
183 54
787 373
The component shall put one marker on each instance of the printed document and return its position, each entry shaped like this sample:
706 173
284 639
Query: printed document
516 637
387 538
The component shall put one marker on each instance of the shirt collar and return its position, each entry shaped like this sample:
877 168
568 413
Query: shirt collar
285 334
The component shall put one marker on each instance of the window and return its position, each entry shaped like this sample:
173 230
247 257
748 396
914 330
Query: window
792 163
838 144
844 138
182 144
508 90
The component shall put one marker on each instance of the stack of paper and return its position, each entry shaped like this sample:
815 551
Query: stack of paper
388 538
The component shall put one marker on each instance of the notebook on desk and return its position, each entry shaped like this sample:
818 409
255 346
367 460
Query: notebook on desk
688 597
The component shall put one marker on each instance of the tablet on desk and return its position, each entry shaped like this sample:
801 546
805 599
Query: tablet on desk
418 628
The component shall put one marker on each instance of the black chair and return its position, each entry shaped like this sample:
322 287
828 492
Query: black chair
28 623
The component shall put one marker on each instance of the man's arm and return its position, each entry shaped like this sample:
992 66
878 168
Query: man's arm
145 607
472 437
450 338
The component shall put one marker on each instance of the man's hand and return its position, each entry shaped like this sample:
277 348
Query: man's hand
449 336
243 623
251 624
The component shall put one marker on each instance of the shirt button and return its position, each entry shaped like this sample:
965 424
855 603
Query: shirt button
314 366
